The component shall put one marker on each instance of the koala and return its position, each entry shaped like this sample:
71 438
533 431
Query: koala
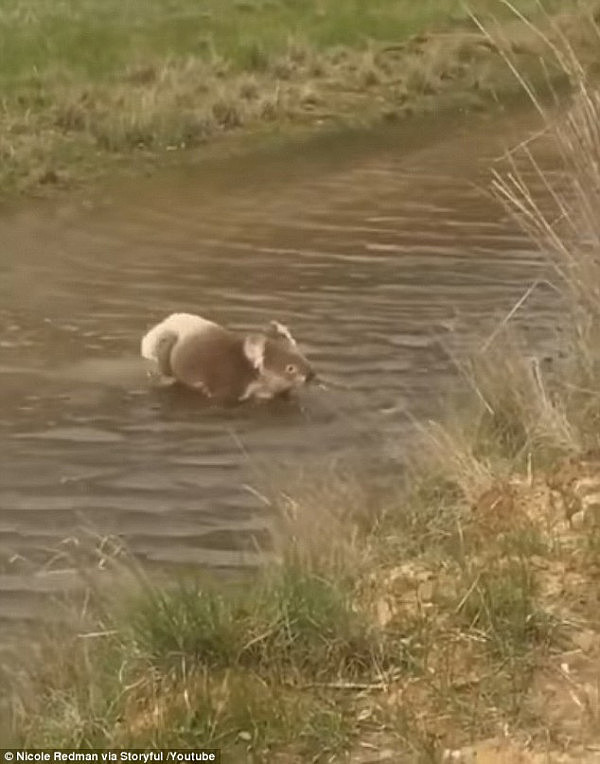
224 365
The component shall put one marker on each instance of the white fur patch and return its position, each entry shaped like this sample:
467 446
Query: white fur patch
263 388
254 390
202 388
254 350
283 331
183 324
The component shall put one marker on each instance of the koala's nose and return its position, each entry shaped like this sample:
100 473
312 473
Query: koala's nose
310 376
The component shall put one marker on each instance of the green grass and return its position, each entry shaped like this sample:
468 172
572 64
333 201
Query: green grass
296 620
501 602
90 88
97 40
224 666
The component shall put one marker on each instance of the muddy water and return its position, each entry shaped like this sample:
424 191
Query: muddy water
371 252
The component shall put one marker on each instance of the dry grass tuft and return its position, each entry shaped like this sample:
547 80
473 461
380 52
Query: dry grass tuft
159 80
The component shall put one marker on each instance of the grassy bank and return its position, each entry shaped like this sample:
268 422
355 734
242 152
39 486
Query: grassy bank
89 88
462 616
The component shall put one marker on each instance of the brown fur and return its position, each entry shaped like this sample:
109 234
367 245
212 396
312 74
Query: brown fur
226 366
213 363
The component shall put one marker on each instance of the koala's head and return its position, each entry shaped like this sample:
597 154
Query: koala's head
275 355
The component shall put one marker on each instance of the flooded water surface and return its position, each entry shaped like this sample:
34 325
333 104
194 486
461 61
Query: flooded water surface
370 251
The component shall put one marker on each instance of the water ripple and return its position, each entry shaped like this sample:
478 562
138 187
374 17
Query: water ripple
372 260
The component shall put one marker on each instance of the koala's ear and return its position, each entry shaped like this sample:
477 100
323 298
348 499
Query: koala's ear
280 331
254 350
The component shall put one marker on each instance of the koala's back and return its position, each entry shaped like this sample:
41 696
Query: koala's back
213 362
